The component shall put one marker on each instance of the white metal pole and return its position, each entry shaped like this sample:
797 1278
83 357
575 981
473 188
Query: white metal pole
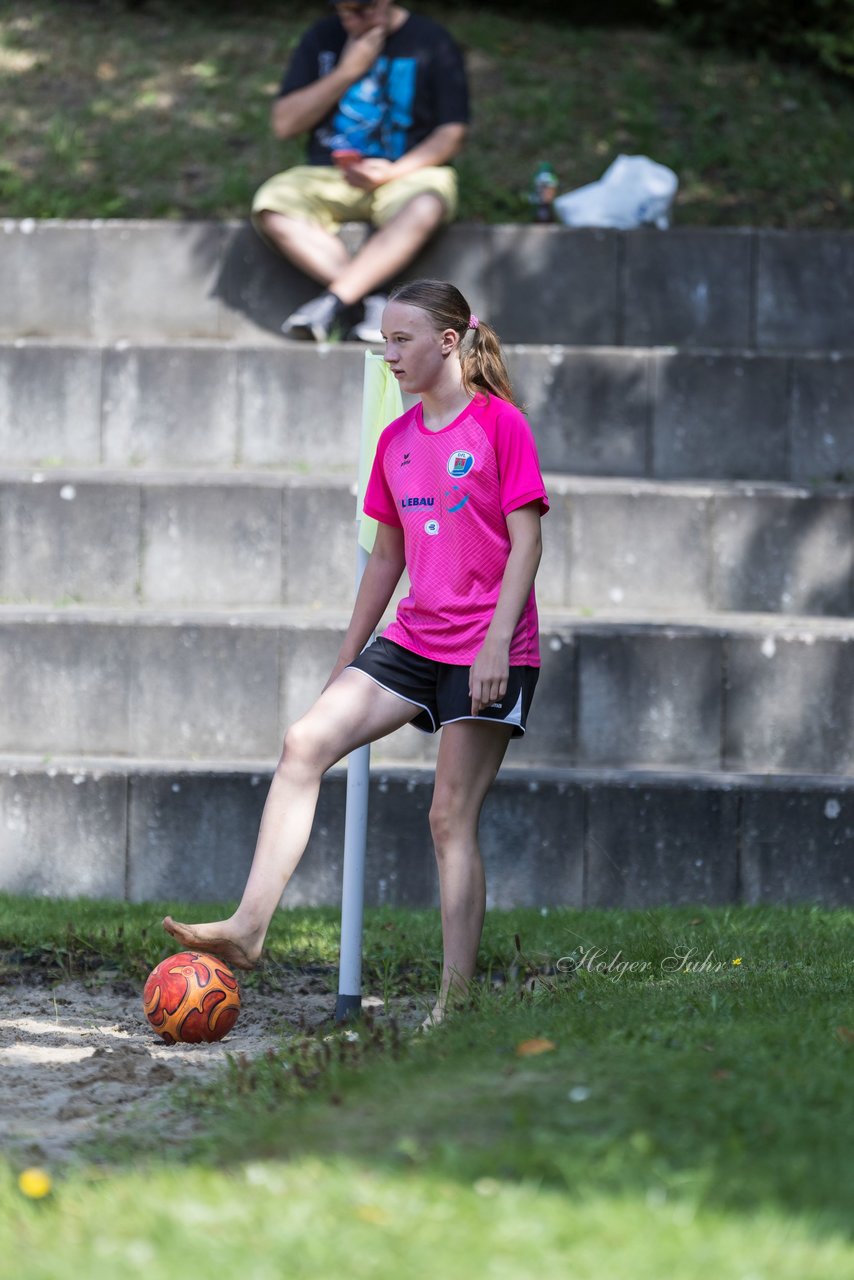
381 402
349 1001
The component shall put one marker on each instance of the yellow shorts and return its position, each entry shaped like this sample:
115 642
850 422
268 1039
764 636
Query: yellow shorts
322 195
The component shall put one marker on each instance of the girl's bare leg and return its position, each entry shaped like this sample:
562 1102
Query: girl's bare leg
470 756
353 710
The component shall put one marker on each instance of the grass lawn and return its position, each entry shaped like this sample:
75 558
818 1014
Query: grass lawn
109 109
632 1094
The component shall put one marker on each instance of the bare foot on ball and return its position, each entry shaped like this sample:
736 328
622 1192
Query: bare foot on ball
219 939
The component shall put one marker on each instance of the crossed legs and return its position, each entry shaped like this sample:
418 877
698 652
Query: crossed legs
322 255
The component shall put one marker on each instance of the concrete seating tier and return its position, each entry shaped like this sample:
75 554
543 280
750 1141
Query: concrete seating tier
689 287
176 564
748 695
658 414
177 831
212 539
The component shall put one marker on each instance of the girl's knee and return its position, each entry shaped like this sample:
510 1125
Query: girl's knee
439 824
300 750
449 820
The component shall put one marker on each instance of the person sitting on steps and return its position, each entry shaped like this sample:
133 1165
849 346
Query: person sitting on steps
383 96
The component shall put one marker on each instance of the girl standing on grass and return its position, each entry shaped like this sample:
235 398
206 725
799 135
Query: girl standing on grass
458 495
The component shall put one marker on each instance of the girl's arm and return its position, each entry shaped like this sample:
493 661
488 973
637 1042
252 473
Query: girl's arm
382 574
491 667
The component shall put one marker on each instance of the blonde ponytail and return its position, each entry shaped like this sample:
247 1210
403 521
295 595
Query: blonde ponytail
483 364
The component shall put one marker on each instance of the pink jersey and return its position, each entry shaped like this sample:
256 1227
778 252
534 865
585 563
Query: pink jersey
450 491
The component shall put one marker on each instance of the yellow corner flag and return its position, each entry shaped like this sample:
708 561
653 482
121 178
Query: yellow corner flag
381 404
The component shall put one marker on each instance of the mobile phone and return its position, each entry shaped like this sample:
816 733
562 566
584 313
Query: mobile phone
345 157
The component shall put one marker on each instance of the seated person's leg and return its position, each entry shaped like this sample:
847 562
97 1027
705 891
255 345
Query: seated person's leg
309 247
407 213
438 181
299 213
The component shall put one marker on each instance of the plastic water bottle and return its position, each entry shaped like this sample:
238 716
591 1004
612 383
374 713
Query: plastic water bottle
545 190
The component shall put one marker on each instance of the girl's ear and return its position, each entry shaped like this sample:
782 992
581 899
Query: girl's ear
450 340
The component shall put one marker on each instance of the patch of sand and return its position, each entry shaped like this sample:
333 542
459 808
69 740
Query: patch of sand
78 1056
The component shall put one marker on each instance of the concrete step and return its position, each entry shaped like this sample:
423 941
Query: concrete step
210 539
144 830
660 414
262 539
700 287
735 692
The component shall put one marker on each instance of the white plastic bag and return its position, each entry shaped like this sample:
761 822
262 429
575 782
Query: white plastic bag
632 191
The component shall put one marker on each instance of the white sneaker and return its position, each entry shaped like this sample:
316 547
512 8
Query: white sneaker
368 328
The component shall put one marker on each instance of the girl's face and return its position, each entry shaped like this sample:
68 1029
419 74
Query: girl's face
415 350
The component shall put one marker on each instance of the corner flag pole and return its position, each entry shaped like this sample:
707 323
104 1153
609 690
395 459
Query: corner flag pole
381 403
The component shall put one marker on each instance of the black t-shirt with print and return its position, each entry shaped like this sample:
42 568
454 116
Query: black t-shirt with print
417 84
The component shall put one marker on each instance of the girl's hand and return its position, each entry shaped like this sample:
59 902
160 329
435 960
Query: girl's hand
488 676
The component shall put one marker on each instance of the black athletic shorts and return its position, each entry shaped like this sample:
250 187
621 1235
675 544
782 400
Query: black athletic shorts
441 689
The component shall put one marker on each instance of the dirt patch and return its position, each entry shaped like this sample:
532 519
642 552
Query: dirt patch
78 1057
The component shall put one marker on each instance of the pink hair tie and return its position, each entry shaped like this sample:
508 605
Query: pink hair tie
473 321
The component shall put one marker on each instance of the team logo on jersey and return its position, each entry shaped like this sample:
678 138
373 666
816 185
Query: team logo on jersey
406 459
460 463
432 527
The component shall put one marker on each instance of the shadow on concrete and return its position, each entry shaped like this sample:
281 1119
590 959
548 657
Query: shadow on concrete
257 283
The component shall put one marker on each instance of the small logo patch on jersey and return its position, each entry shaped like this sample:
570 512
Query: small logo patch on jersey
460 463
405 462
458 504
432 527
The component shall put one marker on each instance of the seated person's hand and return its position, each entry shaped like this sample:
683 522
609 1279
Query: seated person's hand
361 51
370 173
